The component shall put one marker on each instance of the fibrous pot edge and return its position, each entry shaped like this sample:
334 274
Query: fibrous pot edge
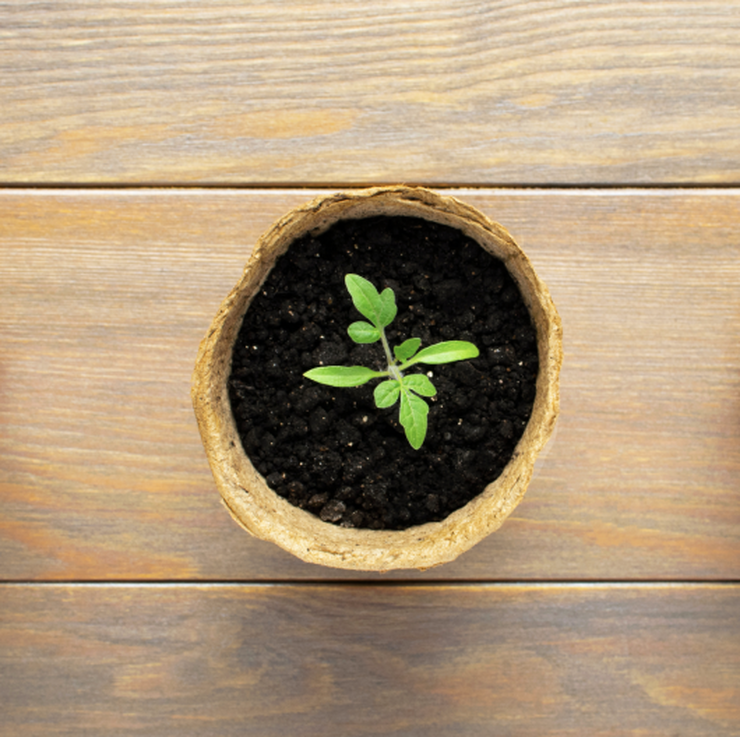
268 516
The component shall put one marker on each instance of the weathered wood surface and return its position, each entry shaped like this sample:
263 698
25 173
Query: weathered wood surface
471 92
104 296
589 661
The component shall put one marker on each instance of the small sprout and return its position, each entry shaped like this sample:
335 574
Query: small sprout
380 310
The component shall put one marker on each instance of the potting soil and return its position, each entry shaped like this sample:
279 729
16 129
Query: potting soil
331 451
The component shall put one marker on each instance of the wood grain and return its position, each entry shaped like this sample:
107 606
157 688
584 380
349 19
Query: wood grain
471 92
104 296
591 661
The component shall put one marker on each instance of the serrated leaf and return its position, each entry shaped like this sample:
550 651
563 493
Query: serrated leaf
413 418
365 298
363 332
407 349
341 375
447 352
420 384
386 393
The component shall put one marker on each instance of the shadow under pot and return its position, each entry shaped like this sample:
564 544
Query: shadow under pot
321 470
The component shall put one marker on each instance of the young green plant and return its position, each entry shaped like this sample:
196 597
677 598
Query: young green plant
380 310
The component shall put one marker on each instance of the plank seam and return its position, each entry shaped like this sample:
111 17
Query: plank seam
52 186
396 583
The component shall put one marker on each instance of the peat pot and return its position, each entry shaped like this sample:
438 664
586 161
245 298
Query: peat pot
326 538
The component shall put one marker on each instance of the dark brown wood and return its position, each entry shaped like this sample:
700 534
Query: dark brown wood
346 660
481 92
104 296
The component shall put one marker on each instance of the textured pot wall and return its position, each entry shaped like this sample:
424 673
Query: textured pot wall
266 515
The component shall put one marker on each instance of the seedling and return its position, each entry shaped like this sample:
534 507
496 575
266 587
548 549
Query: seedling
380 309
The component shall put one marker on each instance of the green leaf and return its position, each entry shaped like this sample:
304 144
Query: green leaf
365 298
420 384
342 375
388 307
363 332
407 349
413 417
446 352
386 393
380 309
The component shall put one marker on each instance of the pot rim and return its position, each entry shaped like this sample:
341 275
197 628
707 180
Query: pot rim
268 516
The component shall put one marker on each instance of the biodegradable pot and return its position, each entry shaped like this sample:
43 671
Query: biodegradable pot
268 516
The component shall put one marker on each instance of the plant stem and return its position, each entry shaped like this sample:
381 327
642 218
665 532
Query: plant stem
392 367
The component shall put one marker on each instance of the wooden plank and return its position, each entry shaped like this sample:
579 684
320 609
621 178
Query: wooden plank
104 296
347 660
472 92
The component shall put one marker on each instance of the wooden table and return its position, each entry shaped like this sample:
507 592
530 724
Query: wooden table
143 149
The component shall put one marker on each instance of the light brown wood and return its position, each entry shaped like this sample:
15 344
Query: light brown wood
104 296
343 660
322 92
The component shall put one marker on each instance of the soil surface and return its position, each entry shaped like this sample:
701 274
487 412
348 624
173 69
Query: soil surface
330 451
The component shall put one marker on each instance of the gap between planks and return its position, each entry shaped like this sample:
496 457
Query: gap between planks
390 584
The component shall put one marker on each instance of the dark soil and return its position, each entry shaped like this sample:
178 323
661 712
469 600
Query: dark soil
331 451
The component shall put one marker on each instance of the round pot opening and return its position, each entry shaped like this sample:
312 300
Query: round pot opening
349 474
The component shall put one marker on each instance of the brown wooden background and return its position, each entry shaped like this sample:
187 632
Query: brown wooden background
143 149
